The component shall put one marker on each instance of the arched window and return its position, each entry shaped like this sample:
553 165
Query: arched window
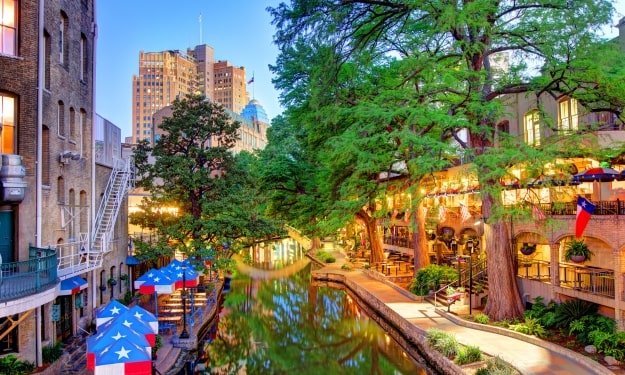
60 190
112 278
72 124
8 27
45 153
83 226
8 111
531 125
84 133
64 40
72 215
121 266
47 52
60 119
102 285
84 60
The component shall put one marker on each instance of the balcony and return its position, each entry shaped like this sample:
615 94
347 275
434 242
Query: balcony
616 207
22 279
598 281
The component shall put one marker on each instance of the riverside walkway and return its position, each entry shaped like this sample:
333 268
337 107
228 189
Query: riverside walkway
527 357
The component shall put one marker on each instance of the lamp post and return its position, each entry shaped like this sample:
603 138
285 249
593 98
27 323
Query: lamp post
184 334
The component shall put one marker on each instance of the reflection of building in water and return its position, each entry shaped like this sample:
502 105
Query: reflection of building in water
276 254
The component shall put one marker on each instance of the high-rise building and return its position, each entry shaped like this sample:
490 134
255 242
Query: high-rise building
230 86
164 76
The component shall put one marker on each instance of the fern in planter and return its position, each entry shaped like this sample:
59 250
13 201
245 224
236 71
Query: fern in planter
577 251
52 352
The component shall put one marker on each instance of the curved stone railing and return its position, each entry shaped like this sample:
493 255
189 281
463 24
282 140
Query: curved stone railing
256 273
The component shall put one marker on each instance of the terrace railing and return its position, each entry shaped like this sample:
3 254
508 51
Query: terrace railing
534 269
25 278
592 280
402 241
616 207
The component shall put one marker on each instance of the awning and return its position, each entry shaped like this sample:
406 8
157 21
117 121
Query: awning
132 260
72 285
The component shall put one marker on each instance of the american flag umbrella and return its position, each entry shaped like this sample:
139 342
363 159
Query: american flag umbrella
97 343
597 174
130 321
191 277
144 315
159 283
123 357
145 277
110 311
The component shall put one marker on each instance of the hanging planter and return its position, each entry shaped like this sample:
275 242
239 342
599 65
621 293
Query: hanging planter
102 288
112 282
528 249
577 251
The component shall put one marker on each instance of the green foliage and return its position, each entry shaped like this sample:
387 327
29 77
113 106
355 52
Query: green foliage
158 343
468 354
481 318
431 278
126 299
496 366
443 342
11 365
577 247
201 194
52 352
531 326
346 267
576 326
325 257
574 309
612 344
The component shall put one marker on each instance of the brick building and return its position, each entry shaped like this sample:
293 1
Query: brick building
51 233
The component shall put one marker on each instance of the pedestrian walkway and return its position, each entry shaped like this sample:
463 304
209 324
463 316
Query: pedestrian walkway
526 357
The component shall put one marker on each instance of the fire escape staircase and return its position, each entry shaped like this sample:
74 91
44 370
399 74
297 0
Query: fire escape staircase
82 258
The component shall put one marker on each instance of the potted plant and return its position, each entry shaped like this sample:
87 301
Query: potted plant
112 282
577 251
476 296
103 287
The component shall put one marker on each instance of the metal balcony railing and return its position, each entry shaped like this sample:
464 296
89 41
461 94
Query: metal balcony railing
616 207
592 280
534 269
21 279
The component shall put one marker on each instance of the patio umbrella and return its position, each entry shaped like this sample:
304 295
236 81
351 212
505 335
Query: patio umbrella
97 343
145 277
130 321
159 283
110 311
144 315
123 357
597 174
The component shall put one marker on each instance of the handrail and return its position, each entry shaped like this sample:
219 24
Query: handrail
20 279
481 269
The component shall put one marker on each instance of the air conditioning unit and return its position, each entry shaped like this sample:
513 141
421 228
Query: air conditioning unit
12 174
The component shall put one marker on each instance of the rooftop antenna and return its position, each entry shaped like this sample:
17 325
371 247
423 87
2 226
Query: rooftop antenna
200 21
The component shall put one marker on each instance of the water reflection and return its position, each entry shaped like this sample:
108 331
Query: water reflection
289 326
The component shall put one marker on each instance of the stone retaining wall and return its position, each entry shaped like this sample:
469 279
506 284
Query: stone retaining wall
413 340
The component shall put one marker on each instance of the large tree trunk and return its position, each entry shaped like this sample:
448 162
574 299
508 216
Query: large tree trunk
419 240
504 299
377 250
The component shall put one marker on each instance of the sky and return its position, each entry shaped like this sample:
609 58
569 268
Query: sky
239 31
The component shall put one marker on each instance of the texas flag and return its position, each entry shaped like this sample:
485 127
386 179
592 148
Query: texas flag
585 209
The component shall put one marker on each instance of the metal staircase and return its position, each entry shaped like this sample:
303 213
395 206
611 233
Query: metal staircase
81 258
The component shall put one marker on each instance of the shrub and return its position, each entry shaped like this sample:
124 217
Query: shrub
469 354
51 353
481 318
346 267
325 257
430 278
11 365
549 319
496 366
443 342
575 309
612 344
594 322
529 327
126 299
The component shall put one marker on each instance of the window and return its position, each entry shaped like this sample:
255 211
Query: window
83 58
8 344
72 215
8 27
60 119
532 128
72 124
567 119
63 40
7 121
82 227
84 134
47 48
60 190
45 160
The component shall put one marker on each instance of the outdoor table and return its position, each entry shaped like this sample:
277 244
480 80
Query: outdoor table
389 267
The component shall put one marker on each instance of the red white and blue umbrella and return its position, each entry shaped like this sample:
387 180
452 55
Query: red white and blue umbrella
144 315
97 343
597 174
123 357
191 277
131 322
145 277
159 283
110 311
